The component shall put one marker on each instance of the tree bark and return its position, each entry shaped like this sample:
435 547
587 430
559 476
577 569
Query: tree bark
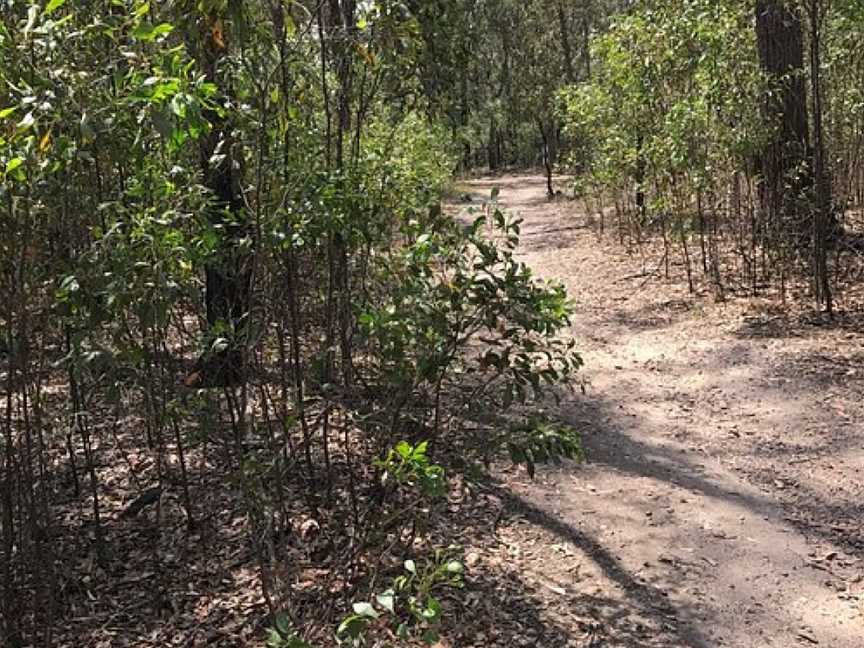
785 159
548 157
825 227
228 276
566 47
586 48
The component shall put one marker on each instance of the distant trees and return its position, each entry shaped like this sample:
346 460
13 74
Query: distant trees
495 69
720 124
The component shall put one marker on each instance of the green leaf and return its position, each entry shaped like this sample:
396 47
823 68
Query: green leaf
13 164
5 112
290 25
455 567
147 32
387 601
353 626
87 132
420 449
27 122
432 611
32 15
404 449
163 28
365 610
53 5
283 624
274 639
143 32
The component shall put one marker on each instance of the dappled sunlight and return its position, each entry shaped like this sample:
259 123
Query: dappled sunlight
713 458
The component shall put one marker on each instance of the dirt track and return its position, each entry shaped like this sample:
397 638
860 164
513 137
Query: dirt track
722 501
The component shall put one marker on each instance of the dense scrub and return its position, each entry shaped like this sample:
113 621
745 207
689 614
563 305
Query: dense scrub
729 131
230 297
238 328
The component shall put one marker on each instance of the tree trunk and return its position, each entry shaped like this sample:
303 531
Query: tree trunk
784 161
491 147
548 157
228 275
586 49
639 177
566 47
824 223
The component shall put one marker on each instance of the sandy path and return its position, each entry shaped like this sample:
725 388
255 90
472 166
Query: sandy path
722 501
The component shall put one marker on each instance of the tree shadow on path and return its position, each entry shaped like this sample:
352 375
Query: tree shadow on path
677 624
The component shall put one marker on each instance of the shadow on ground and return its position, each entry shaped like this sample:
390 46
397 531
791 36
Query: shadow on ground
667 626
780 325
830 521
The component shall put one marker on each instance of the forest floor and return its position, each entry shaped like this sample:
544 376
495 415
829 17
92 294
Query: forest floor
722 501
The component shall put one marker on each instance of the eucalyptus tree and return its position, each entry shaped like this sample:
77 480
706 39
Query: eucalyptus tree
785 159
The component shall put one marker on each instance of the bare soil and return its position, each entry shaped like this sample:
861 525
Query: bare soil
721 503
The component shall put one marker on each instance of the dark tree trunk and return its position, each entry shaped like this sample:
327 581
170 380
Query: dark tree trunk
566 47
340 33
785 160
548 157
491 147
586 48
639 177
228 275
825 226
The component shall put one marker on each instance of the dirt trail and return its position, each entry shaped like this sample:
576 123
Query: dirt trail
721 504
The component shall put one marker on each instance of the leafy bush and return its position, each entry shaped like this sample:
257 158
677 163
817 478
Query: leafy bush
187 185
459 320
538 440
409 607
409 465
283 635
674 98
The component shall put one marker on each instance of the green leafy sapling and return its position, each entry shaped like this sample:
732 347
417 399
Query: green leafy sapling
409 609
409 465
